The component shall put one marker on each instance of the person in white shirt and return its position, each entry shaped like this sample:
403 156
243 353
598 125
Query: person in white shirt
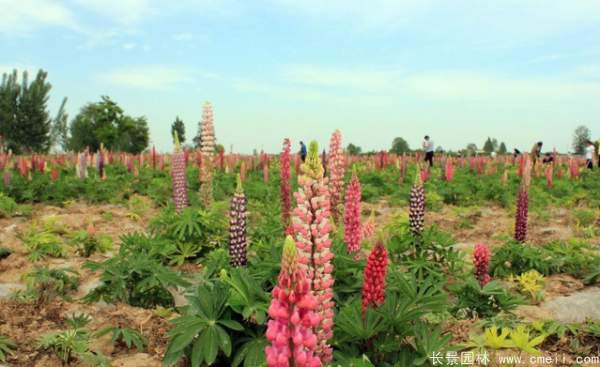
429 148
590 149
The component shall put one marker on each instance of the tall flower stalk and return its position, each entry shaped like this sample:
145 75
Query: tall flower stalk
523 205
481 263
285 184
311 225
237 226
352 226
373 292
180 194
335 167
416 215
207 149
292 316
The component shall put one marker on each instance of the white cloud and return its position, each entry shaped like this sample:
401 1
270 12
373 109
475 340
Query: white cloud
23 16
147 77
336 77
129 46
126 12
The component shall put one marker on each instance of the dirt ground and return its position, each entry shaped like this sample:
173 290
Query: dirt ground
26 323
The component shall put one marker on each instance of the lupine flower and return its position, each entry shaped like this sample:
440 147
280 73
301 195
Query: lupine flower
368 228
207 148
265 169
481 263
54 173
6 177
285 184
237 226
550 176
523 205
180 194
373 292
449 170
292 316
336 173
416 215
352 228
311 228
574 169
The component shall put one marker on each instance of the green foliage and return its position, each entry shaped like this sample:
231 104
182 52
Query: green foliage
123 336
399 146
105 123
353 149
42 242
200 334
8 207
87 243
72 345
44 284
134 277
6 347
178 127
246 297
489 300
24 118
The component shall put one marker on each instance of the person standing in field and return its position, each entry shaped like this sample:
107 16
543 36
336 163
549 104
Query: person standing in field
302 151
536 151
590 149
598 152
428 148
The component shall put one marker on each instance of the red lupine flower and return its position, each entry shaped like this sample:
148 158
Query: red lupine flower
373 292
292 316
481 263
352 227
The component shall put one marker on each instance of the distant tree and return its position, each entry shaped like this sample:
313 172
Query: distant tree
502 149
488 146
400 146
198 138
580 137
219 148
179 127
59 135
24 118
439 149
471 148
105 123
353 149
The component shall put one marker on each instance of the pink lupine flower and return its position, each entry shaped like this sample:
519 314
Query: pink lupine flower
311 223
352 227
292 316
207 148
178 168
523 205
237 226
336 173
285 187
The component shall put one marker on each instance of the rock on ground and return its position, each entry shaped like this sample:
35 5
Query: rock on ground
577 307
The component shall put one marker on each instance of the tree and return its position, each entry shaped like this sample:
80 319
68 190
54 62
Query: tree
502 149
59 135
24 117
353 149
399 146
580 138
471 148
105 123
488 146
178 127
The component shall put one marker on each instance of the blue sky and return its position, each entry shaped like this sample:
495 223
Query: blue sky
459 70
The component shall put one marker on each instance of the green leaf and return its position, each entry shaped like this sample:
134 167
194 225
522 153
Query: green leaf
210 345
231 324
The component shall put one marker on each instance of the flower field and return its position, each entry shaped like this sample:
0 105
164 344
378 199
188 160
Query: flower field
206 258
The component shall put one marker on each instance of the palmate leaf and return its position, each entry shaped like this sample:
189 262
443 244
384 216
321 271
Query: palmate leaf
251 353
246 296
200 333
520 339
354 328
